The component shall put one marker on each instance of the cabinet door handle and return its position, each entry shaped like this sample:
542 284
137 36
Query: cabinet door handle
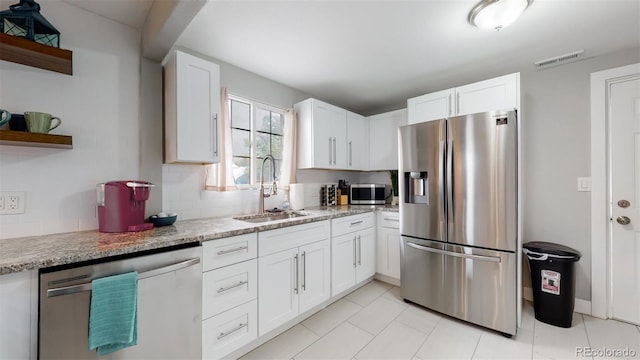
304 271
334 151
350 153
330 152
222 252
356 223
240 283
240 326
354 252
295 283
359 251
215 134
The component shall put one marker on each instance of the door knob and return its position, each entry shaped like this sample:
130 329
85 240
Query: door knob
623 220
624 203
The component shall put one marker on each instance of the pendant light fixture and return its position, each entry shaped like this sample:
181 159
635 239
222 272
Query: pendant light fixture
497 14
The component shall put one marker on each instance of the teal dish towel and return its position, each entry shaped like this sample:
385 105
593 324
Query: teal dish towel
113 318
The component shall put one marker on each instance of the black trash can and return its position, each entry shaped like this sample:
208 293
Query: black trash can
553 279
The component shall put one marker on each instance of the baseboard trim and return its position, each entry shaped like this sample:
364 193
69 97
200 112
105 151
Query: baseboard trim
581 306
387 279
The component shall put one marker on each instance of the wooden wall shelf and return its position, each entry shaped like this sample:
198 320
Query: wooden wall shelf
21 138
31 53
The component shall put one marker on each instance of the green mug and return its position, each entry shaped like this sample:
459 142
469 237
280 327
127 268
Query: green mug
4 117
38 122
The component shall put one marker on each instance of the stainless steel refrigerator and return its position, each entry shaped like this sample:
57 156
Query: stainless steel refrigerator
458 213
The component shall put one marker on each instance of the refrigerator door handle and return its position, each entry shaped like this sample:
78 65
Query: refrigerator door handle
441 178
494 259
449 175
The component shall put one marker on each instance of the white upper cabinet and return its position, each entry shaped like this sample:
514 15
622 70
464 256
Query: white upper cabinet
192 107
322 138
438 105
357 142
383 139
499 93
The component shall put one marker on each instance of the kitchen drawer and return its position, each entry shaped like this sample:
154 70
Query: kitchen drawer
277 240
347 224
227 251
229 286
227 332
388 219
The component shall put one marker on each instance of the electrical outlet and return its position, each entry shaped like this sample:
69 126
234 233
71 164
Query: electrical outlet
12 202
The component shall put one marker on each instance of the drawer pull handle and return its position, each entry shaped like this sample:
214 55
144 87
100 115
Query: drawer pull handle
225 334
354 252
223 289
391 219
222 252
356 223
359 251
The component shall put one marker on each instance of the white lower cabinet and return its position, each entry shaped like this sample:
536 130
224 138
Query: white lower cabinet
278 289
229 330
294 280
18 315
229 295
229 286
315 281
353 251
388 244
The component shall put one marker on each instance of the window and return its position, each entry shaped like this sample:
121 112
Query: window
256 131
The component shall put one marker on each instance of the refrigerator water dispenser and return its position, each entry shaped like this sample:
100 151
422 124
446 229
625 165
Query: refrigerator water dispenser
416 187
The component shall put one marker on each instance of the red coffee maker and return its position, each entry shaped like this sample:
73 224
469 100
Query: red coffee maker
121 206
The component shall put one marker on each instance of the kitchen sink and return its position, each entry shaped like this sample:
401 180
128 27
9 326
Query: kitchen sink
259 218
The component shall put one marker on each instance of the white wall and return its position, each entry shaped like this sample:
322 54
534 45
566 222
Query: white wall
556 145
99 107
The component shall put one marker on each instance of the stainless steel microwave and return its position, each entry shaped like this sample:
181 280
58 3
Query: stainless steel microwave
367 194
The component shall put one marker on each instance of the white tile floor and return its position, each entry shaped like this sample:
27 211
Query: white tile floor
374 323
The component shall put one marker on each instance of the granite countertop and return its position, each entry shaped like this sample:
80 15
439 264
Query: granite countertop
35 252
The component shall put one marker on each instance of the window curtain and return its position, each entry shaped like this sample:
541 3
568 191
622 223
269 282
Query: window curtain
220 176
289 159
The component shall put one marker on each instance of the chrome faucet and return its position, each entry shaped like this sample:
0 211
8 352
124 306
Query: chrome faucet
274 187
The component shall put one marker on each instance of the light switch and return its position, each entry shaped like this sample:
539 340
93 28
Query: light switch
584 184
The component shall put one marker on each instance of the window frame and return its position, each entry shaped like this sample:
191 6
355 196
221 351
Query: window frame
254 105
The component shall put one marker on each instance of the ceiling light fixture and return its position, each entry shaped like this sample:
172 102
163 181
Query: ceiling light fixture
497 14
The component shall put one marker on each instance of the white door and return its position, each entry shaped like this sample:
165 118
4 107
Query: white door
499 93
198 103
624 120
434 106
322 135
366 243
388 252
277 289
357 142
383 139
329 138
343 263
315 274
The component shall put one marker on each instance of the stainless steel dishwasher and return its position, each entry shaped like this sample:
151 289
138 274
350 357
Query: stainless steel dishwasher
169 307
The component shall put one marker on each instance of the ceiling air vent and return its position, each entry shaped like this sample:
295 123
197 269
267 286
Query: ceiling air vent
559 60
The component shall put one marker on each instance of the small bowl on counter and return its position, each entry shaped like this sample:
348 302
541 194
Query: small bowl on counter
163 219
